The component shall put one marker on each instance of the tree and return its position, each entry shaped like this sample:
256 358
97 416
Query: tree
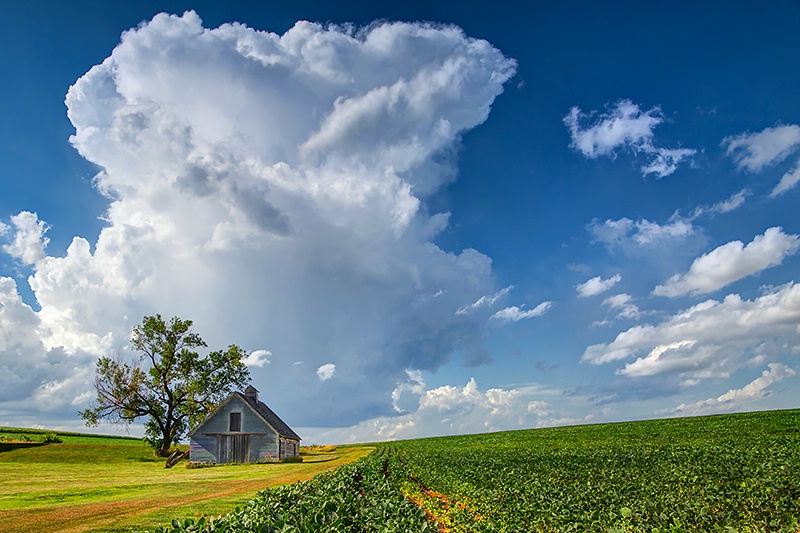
169 383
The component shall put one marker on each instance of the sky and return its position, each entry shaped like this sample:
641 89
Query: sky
418 218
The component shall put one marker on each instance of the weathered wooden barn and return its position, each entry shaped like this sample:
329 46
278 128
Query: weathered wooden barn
241 430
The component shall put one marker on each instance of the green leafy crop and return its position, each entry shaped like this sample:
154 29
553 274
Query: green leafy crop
733 473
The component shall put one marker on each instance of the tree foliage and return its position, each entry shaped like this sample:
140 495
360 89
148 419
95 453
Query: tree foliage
169 382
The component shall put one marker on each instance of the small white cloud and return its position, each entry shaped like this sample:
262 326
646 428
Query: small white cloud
624 127
731 262
734 202
515 314
625 233
326 371
485 301
754 151
596 286
788 181
651 232
258 358
623 302
666 161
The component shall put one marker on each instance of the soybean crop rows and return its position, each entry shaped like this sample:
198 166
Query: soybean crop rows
733 473
354 498
723 473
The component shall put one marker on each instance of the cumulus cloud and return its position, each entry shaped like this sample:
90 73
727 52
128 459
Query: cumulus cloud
451 410
731 262
289 186
257 358
596 285
710 339
326 371
754 151
29 243
624 127
515 314
30 365
736 399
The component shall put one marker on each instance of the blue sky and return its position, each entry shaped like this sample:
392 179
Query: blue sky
420 218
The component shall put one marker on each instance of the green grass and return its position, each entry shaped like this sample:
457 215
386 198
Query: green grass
112 484
36 435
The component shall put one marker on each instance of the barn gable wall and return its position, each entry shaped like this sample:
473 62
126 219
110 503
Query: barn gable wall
205 442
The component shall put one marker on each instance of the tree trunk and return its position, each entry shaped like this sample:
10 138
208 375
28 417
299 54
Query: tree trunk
166 443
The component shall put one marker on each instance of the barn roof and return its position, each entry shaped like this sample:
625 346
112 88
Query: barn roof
269 416
260 409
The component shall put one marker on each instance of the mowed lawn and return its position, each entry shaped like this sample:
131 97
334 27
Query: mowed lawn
118 485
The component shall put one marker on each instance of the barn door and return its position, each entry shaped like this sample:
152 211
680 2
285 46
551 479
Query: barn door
234 448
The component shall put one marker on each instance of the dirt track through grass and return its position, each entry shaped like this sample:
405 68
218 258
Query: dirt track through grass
84 488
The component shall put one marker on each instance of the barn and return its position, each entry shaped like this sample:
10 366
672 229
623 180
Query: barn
242 430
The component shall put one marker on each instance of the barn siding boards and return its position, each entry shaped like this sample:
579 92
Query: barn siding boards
262 434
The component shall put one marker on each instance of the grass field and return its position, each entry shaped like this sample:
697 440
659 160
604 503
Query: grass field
36 435
101 484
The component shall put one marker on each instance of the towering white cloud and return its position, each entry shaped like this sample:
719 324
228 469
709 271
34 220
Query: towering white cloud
624 127
28 366
273 189
731 262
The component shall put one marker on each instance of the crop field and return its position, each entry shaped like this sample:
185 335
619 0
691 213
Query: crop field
732 473
88 483
720 473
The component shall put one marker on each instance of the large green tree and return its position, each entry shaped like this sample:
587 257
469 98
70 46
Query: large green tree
169 382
